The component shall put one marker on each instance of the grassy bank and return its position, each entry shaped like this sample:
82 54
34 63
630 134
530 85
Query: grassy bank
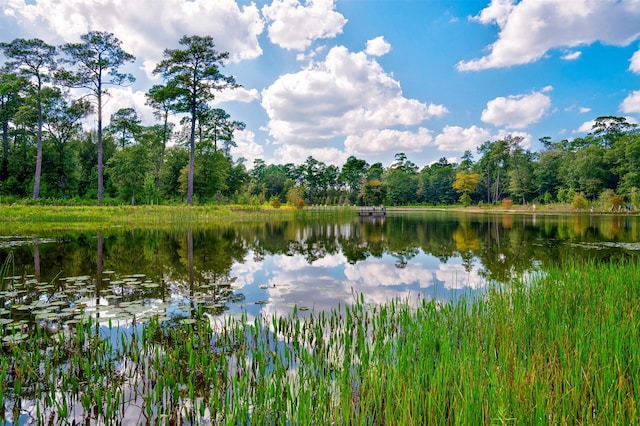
25 218
562 348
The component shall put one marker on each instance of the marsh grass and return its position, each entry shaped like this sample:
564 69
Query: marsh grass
560 348
30 218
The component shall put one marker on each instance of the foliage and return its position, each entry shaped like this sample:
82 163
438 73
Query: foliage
95 61
275 202
193 73
295 197
47 153
579 202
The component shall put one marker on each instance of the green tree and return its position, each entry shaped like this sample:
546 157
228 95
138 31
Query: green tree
125 125
521 176
11 88
609 128
35 60
163 101
176 159
63 124
129 167
373 192
194 75
95 62
435 183
352 176
492 166
546 169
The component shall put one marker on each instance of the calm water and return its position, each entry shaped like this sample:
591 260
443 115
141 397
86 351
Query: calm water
125 276
272 267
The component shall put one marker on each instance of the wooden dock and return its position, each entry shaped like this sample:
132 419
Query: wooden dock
372 212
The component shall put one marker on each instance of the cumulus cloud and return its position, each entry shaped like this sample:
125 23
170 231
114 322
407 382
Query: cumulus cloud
585 127
530 28
517 111
456 138
294 26
349 93
376 141
631 104
634 65
145 27
377 47
298 155
247 147
240 94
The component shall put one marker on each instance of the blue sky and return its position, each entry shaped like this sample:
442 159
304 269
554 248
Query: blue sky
371 78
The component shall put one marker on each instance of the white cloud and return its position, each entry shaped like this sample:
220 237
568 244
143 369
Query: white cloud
298 155
145 27
349 93
631 104
377 141
240 94
530 28
570 56
634 65
585 127
517 111
125 97
247 147
294 26
377 47
580 109
382 273
456 138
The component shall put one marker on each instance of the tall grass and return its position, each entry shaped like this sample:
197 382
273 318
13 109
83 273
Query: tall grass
559 348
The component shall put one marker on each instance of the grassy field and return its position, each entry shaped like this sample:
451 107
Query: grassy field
29 218
559 348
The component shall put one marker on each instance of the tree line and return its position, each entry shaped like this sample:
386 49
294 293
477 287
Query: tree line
47 92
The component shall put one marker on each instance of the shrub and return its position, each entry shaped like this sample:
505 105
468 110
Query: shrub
507 203
275 202
579 202
465 199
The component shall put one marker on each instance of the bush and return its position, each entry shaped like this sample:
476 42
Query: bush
465 199
275 202
616 202
579 202
507 203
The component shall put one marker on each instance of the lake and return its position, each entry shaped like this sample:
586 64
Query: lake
126 275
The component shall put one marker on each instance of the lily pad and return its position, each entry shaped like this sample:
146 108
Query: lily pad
15 338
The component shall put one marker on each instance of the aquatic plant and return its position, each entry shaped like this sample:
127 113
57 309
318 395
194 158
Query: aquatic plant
559 347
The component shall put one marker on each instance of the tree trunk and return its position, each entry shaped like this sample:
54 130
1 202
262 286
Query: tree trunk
100 171
36 180
4 167
192 152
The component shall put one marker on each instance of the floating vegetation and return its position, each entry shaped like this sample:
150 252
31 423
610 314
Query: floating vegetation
561 348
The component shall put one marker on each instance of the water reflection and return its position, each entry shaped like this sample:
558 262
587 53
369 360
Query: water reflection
271 267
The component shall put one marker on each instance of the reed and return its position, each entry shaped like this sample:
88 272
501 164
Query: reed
559 347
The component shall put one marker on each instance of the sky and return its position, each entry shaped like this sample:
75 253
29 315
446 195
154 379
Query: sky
373 78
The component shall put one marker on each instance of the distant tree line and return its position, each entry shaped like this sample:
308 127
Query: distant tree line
47 92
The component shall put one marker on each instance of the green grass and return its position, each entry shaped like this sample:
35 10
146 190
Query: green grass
560 348
28 218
